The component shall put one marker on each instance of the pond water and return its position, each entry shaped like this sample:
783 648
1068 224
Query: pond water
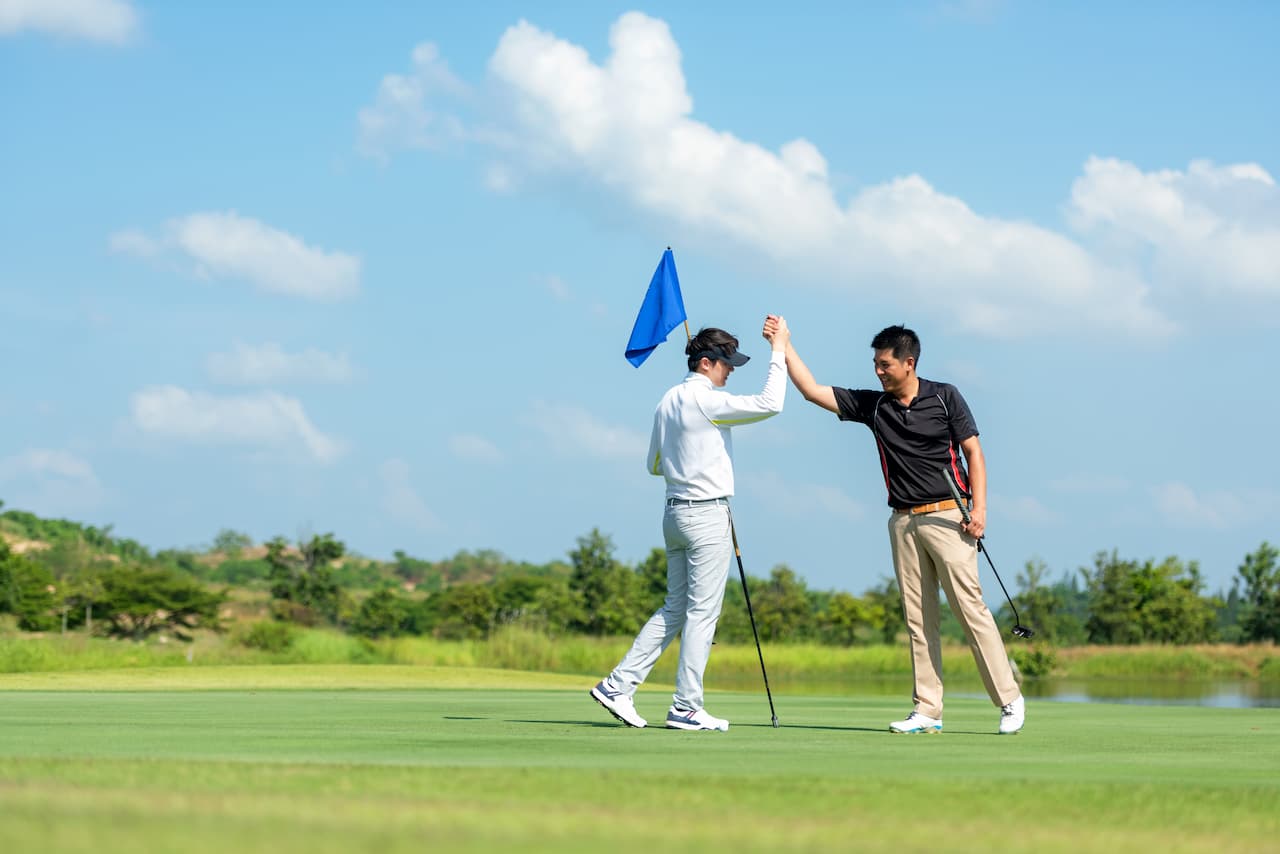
1151 692
1146 692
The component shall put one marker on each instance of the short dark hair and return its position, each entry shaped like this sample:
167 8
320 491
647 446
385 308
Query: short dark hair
901 340
709 339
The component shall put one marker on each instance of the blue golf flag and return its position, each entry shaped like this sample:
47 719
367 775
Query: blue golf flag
661 311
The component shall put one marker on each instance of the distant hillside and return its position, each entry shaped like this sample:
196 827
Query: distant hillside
65 547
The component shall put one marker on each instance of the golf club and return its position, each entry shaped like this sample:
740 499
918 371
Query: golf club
742 573
1018 629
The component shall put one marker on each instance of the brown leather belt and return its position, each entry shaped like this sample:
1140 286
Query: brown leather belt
949 504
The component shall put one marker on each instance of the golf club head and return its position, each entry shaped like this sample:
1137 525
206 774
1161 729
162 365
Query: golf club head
1023 632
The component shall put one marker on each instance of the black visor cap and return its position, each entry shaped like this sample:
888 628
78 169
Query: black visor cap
737 358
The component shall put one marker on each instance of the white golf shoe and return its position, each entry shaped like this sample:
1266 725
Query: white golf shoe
1013 716
701 719
618 704
916 723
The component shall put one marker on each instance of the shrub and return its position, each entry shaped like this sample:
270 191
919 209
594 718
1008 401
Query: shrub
1034 662
269 636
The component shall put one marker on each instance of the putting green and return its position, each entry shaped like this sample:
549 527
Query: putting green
380 759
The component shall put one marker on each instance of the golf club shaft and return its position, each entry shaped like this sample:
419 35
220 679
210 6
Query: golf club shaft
964 511
1017 621
742 573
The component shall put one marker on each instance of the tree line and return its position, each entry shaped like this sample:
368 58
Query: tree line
86 578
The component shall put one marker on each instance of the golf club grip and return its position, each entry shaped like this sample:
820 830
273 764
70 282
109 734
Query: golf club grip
955 492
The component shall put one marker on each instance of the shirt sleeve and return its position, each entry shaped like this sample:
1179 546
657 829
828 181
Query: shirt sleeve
653 462
959 418
856 404
733 410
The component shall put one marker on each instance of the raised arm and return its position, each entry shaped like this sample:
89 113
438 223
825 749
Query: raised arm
801 377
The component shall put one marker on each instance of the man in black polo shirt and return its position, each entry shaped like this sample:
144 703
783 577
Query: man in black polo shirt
920 427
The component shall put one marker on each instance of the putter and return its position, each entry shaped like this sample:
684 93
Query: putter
742 573
1018 629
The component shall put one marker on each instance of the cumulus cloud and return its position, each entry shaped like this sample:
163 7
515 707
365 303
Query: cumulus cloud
1211 227
227 245
573 431
269 364
50 481
625 126
1184 506
262 420
399 117
401 501
475 448
110 21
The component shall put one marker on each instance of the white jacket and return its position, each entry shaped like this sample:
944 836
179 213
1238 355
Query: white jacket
691 445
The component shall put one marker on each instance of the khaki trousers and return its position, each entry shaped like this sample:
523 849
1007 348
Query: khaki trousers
930 549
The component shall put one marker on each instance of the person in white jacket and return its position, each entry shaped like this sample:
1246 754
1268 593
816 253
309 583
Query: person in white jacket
692 448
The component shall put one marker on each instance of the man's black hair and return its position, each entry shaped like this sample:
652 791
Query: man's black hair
901 340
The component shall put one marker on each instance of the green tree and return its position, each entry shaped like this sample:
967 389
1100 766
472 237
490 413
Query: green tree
782 606
383 613
138 602
231 543
1133 603
423 574
1057 611
556 607
459 612
846 619
653 579
1113 600
304 578
609 592
887 599
26 591
1260 597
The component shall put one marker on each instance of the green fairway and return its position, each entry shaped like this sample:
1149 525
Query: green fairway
409 759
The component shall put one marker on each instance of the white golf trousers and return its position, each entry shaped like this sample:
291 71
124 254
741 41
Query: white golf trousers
699 549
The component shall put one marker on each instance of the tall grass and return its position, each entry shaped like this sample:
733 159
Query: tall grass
516 648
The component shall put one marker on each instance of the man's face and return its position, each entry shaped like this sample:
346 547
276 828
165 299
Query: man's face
718 372
892 372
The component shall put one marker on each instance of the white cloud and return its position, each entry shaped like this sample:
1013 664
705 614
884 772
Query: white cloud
399 117
265 419
1024 509
401 501
134 242
558 288
227 245
804 499
475 448
498 178
50 481
1212 227
573 431
269 363
111 21
625 125
1183 506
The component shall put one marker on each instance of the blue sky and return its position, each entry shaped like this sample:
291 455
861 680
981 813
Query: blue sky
370 268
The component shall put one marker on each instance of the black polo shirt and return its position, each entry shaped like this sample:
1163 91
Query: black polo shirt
915 441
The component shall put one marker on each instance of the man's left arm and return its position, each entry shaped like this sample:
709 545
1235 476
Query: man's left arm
977 466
